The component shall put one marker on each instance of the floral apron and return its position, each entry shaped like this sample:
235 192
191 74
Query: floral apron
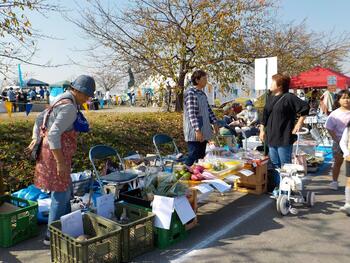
46 176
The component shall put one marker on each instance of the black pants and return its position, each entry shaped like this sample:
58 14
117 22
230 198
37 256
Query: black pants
196 150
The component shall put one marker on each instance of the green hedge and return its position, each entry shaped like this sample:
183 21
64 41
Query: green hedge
125 132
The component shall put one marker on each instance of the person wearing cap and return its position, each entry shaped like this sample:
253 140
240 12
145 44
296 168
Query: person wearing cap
249 115
53 165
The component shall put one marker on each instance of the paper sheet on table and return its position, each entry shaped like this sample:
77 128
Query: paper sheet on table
163 208
44 205
184 209
219 184
72 224
204 188
246 172
105 205
231 178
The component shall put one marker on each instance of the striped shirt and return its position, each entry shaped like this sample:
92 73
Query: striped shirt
192 107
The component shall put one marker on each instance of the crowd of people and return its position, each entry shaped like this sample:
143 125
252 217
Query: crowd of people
21 96
283 117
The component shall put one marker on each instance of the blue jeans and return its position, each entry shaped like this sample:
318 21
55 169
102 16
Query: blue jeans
196 150
60 205
279 156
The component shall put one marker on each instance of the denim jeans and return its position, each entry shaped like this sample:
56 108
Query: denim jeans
196 150
279 156
60 205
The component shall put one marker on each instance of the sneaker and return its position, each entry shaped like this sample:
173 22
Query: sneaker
334 185
345 209
46 241
275 193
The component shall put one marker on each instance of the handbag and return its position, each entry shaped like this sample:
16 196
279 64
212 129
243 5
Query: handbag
81 124
34 155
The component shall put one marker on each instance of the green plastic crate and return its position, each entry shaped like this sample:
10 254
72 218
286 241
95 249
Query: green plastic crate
164 238
137 235
18 225
177 232
103 247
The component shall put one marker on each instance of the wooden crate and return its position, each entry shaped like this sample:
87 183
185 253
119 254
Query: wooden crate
251 189
254 184
258 178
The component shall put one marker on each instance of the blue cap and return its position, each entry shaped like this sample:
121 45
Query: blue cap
85 84
249 103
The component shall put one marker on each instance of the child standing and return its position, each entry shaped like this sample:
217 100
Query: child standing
336 124
345 147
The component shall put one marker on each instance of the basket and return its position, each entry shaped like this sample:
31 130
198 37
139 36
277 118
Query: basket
137 236
104 246
18 225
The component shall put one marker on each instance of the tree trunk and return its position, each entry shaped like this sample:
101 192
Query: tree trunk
180 92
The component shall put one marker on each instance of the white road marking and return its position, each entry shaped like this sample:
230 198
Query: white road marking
213 237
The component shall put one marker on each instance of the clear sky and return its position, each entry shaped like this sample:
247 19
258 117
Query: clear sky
320 15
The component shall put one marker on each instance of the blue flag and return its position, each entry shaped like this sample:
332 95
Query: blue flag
29 107
102 102
21 82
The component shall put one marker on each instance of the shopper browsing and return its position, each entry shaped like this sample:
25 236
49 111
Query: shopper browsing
336 124
345 147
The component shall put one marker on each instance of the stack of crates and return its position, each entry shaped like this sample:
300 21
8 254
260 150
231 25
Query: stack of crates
104 246
20 223
137 231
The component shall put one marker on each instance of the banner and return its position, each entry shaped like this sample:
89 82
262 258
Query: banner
265 68
29 107
20 79
8 107
85 106
102 102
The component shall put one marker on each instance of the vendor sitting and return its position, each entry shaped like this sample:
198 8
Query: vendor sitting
229 121
250 118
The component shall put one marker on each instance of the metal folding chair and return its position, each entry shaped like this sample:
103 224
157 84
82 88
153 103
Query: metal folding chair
161 140
117 178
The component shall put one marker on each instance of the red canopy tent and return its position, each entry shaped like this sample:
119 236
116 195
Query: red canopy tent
318 78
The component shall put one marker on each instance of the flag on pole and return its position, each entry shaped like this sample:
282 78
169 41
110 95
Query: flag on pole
85 106
29 107
8 107
102 102
21 82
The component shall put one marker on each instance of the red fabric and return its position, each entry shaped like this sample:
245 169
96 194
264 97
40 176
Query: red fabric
46 176
317 78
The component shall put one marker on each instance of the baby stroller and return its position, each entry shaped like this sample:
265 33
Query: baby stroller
291 189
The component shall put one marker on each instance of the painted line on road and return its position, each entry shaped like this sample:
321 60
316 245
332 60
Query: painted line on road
213 237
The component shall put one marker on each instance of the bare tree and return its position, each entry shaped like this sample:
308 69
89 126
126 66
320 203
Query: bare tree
17 37
174 37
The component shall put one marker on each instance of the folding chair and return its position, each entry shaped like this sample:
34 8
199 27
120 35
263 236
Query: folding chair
117 178
161 140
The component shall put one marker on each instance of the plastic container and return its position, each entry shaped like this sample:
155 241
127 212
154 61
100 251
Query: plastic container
103 247
81 182
165 238
134 197
327 152
18 225
137 232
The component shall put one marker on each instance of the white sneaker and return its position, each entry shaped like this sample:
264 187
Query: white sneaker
345 209
334 185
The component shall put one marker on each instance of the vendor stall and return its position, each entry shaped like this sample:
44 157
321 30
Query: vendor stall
319 77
